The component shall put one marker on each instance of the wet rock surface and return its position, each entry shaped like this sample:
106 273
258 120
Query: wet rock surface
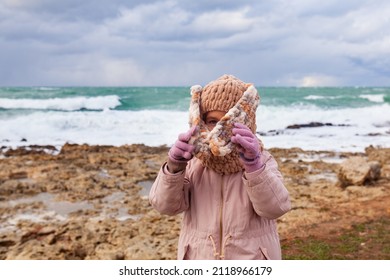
90 202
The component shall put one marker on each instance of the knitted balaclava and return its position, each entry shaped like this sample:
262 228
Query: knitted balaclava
229 94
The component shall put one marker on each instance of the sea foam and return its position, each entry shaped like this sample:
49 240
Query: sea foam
377 98
349 129
63 104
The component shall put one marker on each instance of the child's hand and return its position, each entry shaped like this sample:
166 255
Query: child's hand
181 152
248 146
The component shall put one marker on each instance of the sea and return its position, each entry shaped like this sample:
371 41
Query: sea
311 118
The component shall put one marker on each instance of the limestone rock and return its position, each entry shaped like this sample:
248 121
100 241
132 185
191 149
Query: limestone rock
85 202
358 171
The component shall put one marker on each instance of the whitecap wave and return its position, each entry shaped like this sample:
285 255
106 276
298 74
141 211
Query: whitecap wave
318 97
63 104
377 98
353 129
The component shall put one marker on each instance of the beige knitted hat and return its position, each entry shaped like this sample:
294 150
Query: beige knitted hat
222 94
239 100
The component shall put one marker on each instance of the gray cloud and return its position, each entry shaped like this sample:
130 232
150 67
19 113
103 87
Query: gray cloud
101 42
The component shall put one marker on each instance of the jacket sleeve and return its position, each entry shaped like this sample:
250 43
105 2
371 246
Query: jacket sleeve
266 190
170 192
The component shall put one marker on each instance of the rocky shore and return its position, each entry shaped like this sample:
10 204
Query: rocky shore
90 202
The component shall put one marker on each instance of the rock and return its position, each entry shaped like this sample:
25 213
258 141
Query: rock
312 124
385 171
18 175
358 171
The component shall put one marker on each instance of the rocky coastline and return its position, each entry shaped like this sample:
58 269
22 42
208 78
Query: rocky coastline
90 202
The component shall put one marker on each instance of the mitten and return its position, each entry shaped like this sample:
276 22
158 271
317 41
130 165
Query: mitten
181 152
248 147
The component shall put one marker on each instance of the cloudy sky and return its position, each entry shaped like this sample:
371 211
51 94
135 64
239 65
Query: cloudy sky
185 42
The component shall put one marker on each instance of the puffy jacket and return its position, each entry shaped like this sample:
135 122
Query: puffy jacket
225 216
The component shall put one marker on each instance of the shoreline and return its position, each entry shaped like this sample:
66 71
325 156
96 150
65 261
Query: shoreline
88 202
329 141
56 149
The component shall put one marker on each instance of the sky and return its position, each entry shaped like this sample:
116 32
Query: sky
187 42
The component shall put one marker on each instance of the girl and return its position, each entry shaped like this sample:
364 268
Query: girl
218 174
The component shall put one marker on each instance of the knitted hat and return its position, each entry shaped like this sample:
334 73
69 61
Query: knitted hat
222 94
239 100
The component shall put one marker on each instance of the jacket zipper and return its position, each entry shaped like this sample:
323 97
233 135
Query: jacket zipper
220 219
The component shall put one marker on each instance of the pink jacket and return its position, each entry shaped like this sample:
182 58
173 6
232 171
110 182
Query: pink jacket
225 216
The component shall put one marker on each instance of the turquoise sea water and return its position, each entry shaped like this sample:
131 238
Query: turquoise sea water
356 117
177 98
